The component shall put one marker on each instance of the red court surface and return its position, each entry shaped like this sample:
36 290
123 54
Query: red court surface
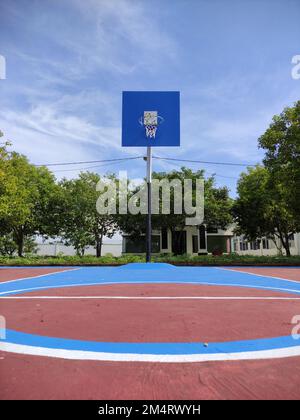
33 377
147 313
284 273
7 274
154 320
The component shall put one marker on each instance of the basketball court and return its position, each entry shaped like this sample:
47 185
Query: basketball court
149 331
153 330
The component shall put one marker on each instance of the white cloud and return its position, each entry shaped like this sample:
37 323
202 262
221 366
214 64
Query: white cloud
45 135
67 107
127 34
56 115
118 36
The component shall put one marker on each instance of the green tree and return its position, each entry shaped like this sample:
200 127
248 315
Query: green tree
281 142
80 223
26 198
8 245
261 209
217 206
4 156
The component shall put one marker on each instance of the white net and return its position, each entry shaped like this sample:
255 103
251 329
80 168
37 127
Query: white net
150 120
150 130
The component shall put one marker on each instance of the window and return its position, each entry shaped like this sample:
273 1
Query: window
254 245
243 246
164 239
138 245
195 244
217 243
155 243
291 240
265 243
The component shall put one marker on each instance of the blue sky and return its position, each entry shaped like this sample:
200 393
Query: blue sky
69 60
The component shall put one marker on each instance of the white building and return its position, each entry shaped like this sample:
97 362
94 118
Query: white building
192 240
265 246
197 240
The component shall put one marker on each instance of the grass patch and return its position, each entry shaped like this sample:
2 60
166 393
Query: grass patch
203 260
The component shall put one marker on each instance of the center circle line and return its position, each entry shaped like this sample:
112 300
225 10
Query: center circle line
156 297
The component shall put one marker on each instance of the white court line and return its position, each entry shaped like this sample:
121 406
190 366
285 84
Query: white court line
32 289
259 275
155 297
249 286
40 275
160 358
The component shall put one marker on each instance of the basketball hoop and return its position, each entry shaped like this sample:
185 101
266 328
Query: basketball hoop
150 120
133 116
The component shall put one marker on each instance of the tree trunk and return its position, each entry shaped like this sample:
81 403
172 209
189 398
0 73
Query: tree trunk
20 242
284 238
98 249
278 247
287 246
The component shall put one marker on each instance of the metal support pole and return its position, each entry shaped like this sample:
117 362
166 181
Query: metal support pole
149 228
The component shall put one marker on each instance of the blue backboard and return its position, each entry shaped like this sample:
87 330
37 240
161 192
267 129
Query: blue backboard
160 108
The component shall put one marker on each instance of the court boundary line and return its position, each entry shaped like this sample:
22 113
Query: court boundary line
158 358
281 298
76 354
259 275
41 275
152 282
